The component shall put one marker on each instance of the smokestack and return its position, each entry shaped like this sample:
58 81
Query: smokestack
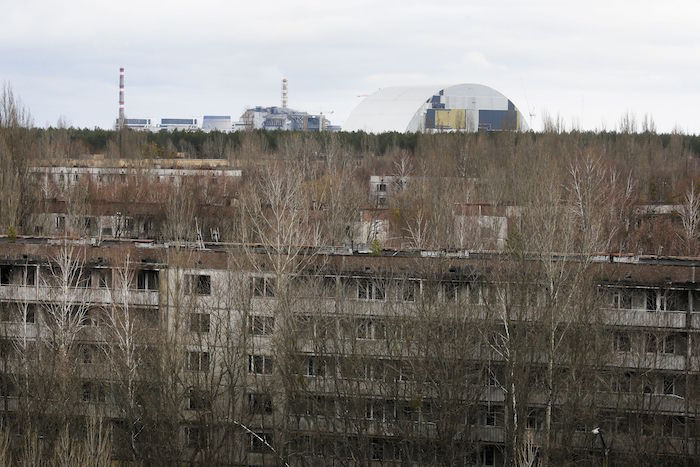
121 97
284 93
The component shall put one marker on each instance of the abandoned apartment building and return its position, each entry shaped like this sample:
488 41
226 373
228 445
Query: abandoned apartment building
341 357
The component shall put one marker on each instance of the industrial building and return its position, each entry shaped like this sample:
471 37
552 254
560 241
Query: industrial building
461 107
139 124
285 119
256 118
178 124
216 123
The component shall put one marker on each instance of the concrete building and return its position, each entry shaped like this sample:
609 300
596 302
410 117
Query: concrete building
341 388
284 119
461 107
179 124
216 123
138 124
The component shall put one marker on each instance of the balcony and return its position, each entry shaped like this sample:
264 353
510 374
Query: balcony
43 294
655 319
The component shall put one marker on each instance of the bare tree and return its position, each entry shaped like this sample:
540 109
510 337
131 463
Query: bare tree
690 220
66 304
15 152
122 343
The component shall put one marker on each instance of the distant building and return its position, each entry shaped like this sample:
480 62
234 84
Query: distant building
462 107
180 124
282 118
216 123
139 124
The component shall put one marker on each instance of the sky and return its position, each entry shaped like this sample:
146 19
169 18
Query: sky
588 62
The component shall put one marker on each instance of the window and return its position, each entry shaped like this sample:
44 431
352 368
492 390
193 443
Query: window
493 416
260 404
198 284
198 400
409 290
651 303
620 298
147 317
650 343
374 409
677 300
535 419
86 353
199 322
260 442
263 287
102 278
93 392
488 456
147 279
374 370
7 311
261 325
328 286
408 411
667 344
195 437
456 292
622 342
5 275
494 377
406 372
376 449
367 328
30 313
29 275
622 383
197 361
381 187
368 289
314 366
260 364
669 385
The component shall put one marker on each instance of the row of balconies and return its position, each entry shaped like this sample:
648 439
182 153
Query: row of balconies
46 294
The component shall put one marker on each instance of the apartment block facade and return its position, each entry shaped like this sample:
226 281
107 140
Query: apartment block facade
247 355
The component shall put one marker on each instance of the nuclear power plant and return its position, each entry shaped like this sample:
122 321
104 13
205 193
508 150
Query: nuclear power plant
461 107
406 109
255 118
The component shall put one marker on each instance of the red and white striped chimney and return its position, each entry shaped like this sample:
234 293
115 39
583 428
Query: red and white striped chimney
121 97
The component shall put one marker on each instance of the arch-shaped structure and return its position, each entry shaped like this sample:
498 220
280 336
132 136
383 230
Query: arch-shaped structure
460 107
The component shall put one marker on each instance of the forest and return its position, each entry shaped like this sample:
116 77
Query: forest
284 343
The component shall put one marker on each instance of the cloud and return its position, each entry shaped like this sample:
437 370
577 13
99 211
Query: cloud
219 56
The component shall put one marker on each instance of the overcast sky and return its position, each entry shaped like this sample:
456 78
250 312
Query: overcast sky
590 62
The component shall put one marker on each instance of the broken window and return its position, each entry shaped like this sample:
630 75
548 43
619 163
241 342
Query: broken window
147 279
198 284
